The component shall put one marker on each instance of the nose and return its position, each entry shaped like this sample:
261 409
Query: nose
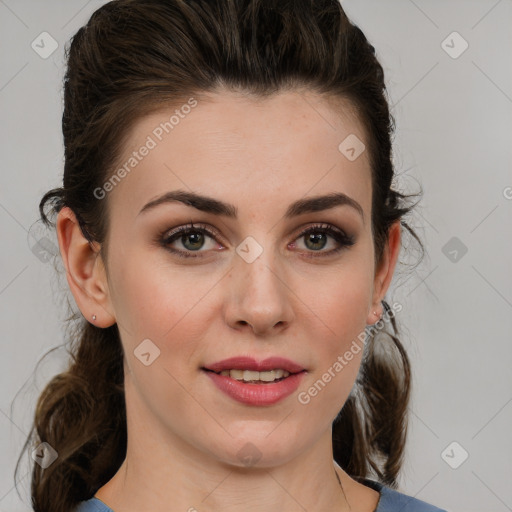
259 296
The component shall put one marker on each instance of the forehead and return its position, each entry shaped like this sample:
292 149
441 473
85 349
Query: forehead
252 151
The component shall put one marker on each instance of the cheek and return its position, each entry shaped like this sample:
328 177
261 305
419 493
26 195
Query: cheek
162 305
340 299
155 299
170 307
337 319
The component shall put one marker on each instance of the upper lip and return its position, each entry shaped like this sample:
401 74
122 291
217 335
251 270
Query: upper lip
249 363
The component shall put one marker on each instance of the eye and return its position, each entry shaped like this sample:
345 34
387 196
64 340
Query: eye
191 237
315 238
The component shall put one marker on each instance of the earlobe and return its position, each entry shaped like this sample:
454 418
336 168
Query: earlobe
385 271
85 271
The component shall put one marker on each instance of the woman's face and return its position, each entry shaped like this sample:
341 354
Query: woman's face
250 285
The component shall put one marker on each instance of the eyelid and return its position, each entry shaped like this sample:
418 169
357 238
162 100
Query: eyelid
323 226
210 230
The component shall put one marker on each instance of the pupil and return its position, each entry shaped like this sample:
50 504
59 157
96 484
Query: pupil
196 236
315 238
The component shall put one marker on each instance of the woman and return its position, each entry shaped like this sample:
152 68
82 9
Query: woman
229 233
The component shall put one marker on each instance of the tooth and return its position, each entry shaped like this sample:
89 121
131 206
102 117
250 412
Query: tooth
236 374
249 375
268 376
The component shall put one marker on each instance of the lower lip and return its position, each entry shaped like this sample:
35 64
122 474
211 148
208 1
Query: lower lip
256 394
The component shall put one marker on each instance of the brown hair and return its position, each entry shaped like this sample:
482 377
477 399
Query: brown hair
134 56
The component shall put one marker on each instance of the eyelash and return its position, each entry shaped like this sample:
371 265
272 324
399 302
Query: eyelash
344 240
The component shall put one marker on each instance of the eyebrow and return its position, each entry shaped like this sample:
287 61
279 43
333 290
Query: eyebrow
217 207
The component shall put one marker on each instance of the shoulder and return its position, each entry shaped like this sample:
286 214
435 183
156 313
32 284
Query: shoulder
92 505
390 499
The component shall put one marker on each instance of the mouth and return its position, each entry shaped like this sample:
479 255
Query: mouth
256 383
248 369
255 377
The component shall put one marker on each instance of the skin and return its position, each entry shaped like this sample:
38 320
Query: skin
184 434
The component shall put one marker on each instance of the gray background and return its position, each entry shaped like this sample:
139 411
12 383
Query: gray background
453 120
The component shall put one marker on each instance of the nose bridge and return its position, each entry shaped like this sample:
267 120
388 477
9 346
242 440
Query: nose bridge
261 296
257 264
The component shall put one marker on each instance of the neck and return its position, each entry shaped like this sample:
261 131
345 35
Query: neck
167 482
172 476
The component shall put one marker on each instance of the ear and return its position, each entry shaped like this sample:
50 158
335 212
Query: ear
85 270
385 271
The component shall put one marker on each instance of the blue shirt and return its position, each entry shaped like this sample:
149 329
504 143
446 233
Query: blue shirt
389 501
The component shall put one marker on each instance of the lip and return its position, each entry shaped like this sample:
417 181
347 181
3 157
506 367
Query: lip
256 394
249 363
